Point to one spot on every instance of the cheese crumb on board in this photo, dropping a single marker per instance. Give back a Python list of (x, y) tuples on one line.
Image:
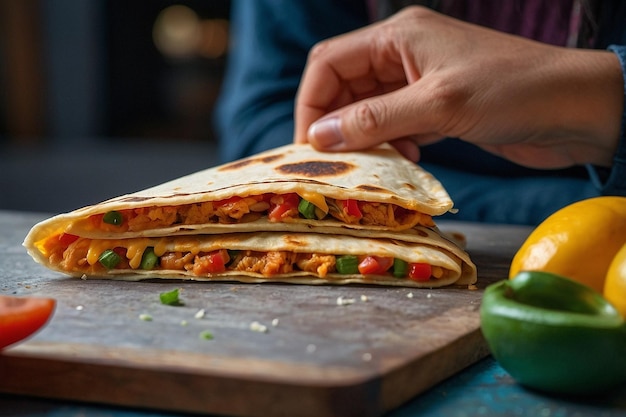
[(255, 326), (344, 301)]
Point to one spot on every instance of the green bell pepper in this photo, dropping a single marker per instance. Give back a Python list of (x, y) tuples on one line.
[(554, 334)]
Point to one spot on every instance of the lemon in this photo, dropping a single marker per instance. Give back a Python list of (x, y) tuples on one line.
[(578, 241), (615, 283)]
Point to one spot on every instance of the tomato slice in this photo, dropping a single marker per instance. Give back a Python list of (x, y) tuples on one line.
[(375, 265), (66, 239), (282, 204), (351, 207), (20, 317), (217, 261), (420, 271), (211, 263)]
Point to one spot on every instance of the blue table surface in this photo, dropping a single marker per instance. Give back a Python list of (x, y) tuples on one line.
[(484, 389)]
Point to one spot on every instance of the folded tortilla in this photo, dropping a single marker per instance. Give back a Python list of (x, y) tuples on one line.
[(391, 193), (247, 218), (309, 258)]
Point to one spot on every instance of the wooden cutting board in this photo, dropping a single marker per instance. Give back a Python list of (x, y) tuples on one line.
[(316, 357)]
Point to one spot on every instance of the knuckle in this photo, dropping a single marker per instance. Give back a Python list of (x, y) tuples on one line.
[(445, 96), (415, 12), (370, 117), (318, 50)]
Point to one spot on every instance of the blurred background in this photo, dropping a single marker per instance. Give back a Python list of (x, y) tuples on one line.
[(103, 97)]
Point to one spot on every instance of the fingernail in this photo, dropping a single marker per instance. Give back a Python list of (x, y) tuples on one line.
[(326, 133)]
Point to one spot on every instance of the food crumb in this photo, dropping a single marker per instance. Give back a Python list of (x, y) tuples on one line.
[(145, 317), (410, 295), (255, 326), (275, 322), (200, 314), (429, 295), (83, 277), (183, 322), (79, 308), (472, 287), (206, 335), (364, 298), (344, 301), (366, 357), (311, 348)]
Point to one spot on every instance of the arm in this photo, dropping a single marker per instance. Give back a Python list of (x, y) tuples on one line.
[(270, 43)]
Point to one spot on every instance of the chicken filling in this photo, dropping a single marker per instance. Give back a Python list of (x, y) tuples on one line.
[(276, 207)]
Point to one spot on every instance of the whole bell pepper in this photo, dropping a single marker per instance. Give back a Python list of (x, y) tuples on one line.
[(554, 334)]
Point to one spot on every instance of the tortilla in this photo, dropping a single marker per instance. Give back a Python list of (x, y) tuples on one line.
[(371, 205), (390, 186), (267, 256)]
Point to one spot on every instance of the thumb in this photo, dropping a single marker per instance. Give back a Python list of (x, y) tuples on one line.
[(369, 122)]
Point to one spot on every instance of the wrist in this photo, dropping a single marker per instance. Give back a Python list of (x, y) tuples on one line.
[(613, 181), (594, 110)]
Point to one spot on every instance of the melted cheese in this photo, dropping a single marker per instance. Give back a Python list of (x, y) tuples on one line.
[(134, 249), (317, 199)]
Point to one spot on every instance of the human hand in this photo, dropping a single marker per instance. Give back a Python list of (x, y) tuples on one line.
[(420, 76)]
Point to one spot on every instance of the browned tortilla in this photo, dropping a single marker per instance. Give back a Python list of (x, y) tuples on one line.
[(377, 176)]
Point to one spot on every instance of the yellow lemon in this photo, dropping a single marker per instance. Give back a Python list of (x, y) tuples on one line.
[(615, 284), (578, 241)]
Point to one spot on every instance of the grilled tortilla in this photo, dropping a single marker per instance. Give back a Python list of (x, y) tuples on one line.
[(309, 258), (373, 190), (290, 214)]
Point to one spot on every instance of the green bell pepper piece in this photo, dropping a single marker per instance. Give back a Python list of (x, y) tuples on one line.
[(554, 334)]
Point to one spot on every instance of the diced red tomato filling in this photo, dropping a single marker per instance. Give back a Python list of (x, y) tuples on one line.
[(371, 265), (71, 253), (283, 206), (278, 208), (210, 263), (420, 271), (351, 208)]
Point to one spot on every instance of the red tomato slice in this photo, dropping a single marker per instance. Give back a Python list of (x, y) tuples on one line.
[(211, 263), (216, 259), (375, 265), (66, 239), (281, 204), (351, 207), (20, 317), (420, 271)]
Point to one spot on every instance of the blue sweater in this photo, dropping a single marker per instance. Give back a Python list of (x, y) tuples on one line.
[(270, 43)]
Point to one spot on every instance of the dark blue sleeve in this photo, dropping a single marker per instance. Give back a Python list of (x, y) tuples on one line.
[(270, 40), (613, 181)]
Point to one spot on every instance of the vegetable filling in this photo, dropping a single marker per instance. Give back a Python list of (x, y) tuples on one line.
[(88, 256), (276, 207)]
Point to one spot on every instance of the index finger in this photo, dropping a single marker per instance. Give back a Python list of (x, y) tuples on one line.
[(331, 65)]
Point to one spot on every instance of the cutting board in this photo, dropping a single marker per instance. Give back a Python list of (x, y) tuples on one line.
[(317, 357)]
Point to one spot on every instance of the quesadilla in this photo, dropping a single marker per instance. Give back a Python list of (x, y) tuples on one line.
[(290, 214)]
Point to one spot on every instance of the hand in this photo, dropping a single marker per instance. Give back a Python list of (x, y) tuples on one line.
[(420, 76)]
